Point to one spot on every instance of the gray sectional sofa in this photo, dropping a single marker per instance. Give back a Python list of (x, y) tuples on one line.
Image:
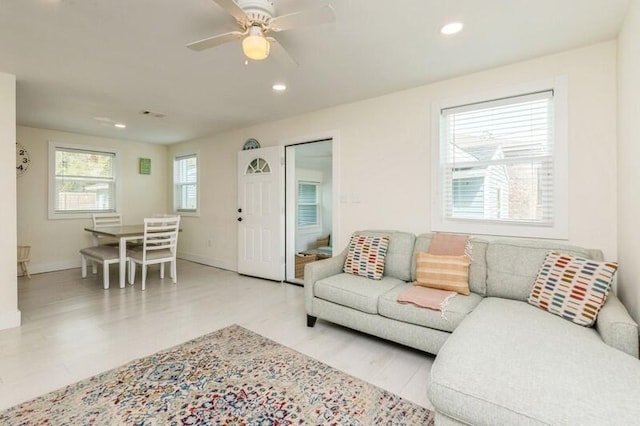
[(500, 361)]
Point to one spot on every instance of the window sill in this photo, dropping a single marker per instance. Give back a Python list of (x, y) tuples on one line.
[(187, 213), (315, 229), (75, 215), (556, 232)]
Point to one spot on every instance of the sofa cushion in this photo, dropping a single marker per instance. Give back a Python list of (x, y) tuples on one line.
[(477, 268), (574, 288), (512, 265), (353, 291), (457, 309), (443, 272), (366, 255), (399, 253), (511, 363)]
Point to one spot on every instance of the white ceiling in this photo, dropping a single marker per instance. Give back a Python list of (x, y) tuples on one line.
[(83, 64)]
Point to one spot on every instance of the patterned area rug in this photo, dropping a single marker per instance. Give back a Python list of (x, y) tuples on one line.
[(230, 377)]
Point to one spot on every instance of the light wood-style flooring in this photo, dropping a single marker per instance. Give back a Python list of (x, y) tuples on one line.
[(73, 329)]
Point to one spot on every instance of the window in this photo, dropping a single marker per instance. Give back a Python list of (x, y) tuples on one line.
[(308, 204), (82, 180), (468, 196), (185, 183), (501, 165), (258, 165)]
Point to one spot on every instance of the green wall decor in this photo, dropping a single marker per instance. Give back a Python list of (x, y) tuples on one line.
[(145, 166)]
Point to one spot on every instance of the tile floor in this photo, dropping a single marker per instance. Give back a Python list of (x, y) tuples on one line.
[(72, 329)]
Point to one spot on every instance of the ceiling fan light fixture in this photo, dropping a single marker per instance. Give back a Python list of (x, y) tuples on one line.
[(255, 46)]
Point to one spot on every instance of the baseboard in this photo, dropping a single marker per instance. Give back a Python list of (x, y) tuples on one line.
[(10, 319), (217, 263), (39, 268)]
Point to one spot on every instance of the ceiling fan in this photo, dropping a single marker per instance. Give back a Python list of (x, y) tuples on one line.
[(257, 18)]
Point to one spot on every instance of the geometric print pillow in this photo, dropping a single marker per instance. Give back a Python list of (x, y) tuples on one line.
[(572, 287), (366, 256)]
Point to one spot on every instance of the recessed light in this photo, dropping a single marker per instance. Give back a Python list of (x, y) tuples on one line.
[(120, 125), (279, 87), (452, 28)]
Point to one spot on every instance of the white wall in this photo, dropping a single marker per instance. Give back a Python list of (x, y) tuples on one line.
[(384, 163), (628, 155), (9, 313), (142, 195)]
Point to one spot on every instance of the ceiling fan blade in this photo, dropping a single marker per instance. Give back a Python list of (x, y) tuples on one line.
[(214, 41), (304, 18), (280, 53), (234, 10)]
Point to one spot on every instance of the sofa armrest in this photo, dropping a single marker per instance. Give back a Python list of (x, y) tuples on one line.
[(616, 327), (316, 271)]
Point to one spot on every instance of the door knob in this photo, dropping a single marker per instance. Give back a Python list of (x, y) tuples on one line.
[(239, 219), (240, 210)]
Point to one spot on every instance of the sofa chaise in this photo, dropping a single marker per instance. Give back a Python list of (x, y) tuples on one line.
[(499, 360)]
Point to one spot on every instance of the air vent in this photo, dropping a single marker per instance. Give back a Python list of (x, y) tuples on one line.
[(153, 114)]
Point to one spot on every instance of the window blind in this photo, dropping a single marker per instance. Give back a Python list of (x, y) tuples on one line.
[(186, 183), (84, 181), (497, 160), (308, 208)]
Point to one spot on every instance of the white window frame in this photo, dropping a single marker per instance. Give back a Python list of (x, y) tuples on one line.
[(53, 147), (174, 184), (559, 228)]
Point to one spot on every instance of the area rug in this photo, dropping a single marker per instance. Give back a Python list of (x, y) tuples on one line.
[(229, 377)]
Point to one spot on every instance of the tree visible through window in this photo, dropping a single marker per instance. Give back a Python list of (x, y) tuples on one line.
[(84, 181), (185, 181)]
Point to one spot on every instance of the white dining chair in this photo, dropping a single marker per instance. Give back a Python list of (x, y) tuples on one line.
[(103, 220), (106, 255), (159, 245)]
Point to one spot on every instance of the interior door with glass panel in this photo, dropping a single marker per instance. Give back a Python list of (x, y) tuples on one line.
[(261, 213)]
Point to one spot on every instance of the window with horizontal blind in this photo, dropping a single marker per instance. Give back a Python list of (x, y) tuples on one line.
[(502, 165), (185, 183), (308, 204), (82, 180)]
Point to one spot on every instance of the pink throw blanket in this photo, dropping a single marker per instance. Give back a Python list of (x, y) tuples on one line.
[(450, 245), (425, 297)]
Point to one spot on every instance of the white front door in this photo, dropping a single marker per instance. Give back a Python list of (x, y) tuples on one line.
[(261, 213)]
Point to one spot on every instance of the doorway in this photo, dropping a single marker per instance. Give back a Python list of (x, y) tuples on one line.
[(310, 193), (261, 242)]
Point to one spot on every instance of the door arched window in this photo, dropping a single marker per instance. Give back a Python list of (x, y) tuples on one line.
[(258, 165)]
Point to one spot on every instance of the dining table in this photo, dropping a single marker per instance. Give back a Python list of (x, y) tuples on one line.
[(123, 233)]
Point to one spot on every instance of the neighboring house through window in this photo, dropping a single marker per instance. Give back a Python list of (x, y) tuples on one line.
[(185, 183), (82, 180), (500, 163)]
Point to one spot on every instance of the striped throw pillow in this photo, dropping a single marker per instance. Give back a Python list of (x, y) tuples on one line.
[(366, 256), (443, 272), (572, 287)]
